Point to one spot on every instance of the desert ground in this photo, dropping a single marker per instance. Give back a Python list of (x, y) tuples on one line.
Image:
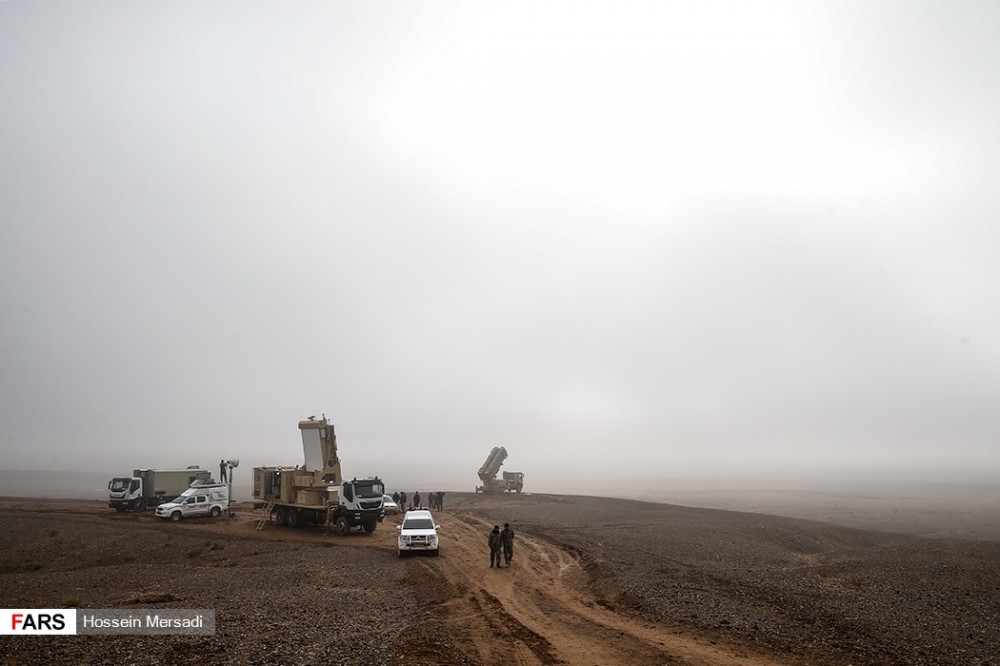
[(594, 581)]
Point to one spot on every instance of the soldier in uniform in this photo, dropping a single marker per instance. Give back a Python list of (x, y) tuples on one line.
[(507, 539), (402, 501), (495, 542), (416, 500)]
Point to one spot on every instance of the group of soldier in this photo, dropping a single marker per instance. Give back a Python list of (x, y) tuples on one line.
[(436, 500), (501, 539)]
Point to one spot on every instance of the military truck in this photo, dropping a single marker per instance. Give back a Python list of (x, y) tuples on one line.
[(317, 492), (510, 482), (152, 487)]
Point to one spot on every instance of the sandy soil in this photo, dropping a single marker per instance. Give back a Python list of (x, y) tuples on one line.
[(595, 581)]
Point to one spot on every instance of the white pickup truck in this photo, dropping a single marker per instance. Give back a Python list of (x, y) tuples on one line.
[(201, 499)]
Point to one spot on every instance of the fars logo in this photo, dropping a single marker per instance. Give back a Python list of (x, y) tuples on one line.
[(37, 621)]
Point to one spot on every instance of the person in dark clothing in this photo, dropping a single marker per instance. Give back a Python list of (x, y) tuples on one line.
[(441, 500), (395, 497), (416, 500), (495, 542), (402, 501), (507, 539), (222, 470)]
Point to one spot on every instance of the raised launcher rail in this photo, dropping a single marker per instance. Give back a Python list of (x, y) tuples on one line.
[(511, 481), (488, 472)]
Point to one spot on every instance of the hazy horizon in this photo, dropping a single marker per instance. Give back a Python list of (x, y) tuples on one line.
[(724, 244), (925, 508), (926, 484)]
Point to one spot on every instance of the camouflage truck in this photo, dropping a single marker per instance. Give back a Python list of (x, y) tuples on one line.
[(316, 492), (509, 482)]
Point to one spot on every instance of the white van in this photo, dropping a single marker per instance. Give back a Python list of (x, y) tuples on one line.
[(210, 499)]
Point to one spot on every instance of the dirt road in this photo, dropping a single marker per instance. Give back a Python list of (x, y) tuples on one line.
[(595, 581), (538, 611)]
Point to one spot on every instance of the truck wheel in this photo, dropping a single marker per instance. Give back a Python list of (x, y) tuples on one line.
[(279, 515), (119, 509), (369, 527), (436, 553), (341, 527), (216, 512), (292, 519), (140, 506), (175, 516)]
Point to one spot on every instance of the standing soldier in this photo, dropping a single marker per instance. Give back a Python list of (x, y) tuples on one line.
[(222, 470), (441, 500), (395, 498), (416, 500), (402, 501), (507, 539), (495, 542)]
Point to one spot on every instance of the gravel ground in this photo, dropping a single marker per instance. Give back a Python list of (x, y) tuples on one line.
[(809, 592), (818, 593), (275, 602)]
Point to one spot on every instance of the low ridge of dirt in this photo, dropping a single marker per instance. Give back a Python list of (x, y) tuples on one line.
[(594, 581)]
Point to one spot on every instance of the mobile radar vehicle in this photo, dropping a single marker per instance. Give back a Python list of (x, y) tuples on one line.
[(316, 492)]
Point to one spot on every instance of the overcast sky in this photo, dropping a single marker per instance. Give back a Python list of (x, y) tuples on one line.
[(625, 240)]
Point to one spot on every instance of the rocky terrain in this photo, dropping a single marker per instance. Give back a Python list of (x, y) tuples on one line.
[(595, 580), (813, 592)]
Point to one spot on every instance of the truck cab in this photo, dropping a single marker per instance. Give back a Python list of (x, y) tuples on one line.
[(124, 492), (360, 505)]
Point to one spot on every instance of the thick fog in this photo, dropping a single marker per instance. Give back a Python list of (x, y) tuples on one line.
[(638, 244)]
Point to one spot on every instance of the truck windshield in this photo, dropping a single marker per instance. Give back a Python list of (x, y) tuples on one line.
[(369, 489), (119, 485), (418, 524)]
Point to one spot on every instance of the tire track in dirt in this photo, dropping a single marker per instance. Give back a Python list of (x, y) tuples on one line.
[(542, 611), (539, 611)]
